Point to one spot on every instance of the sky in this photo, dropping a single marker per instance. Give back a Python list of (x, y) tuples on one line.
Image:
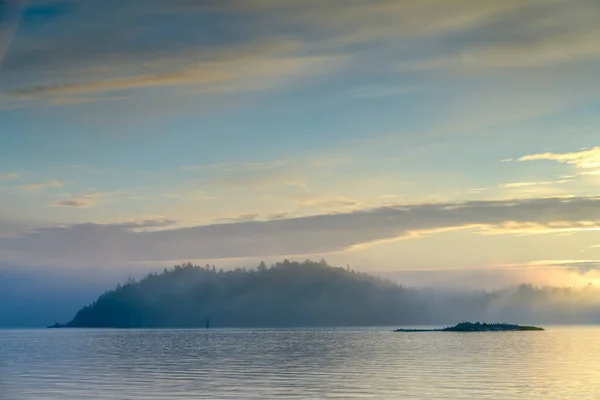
[(429, 141)]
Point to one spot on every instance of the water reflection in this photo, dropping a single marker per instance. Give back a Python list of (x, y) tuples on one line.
[(301, 364)]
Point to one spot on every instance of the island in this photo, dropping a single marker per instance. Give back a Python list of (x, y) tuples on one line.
[(286, 294), (477, 327)]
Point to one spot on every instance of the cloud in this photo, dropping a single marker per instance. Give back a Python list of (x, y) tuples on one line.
[(15, 226), (535, 228), (10, 176), (326, 203), (374, 92), (539, 34), (587, 161), (75, 100), (360, 22), (234, 166), (190, 195), (514, 185), (292, 176), (82, 200), (94, 198), (542, 273), (101, 244), (210, 75), (254, 175), (41, 185), (240, 218), (10, 16), (145, 224), (280, 215), (238, 22), (262, 44), (581, 266), (476, 190), (532, 55)]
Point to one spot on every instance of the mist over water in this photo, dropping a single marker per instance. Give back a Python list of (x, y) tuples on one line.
[(292, 295), (358, 363)]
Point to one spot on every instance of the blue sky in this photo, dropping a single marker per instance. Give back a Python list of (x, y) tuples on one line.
[(470, 125)]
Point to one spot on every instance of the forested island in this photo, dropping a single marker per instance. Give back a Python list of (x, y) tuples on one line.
[(478, 327), (284, 295)]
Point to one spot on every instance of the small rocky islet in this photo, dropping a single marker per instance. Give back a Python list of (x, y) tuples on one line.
[(478, 327)]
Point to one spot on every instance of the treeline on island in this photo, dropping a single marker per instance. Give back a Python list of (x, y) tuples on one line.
[(309, 294), (287, 294)]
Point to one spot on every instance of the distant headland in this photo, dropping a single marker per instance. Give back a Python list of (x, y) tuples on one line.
[(477, 327)]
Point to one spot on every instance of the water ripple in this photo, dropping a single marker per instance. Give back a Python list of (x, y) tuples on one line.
[(560, 363)]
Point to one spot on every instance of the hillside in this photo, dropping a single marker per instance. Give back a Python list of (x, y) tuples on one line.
[(287, 294)]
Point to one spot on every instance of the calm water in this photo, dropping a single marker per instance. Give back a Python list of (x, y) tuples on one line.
[(560, 363)]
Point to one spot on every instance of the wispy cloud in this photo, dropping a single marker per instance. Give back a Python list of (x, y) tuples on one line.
[(205, 74), (327, 203), (549, 52), (251, 175), (32, 187), (264, 43), (75, 100), (82, 200), (293, 174), (10, 16), (476, 190), (240, 218), (586, 161), (375, 92), (146, 224), (318, 234), (190, 195), (567, 273), (576, 265), (514, 185), (535, 228), (234, 166), (539, 34), (10, 176)]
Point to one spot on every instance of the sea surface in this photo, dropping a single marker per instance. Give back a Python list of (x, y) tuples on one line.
[(374, 363)]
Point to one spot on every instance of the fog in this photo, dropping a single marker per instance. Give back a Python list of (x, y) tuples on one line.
[(32, 297), (296, 294)]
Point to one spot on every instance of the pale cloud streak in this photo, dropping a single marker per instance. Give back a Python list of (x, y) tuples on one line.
[(234, 166), (517, 185), (540, 34), (359, 22), (187, 195), (210, 76), (476, 190), (586, 161), (101, 244), (375, 92), (327, 203), (33, 187), (82, 200), (270, 43), (251, 175), (10, 16), (566, 273), (505, 56), (10, 176)]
